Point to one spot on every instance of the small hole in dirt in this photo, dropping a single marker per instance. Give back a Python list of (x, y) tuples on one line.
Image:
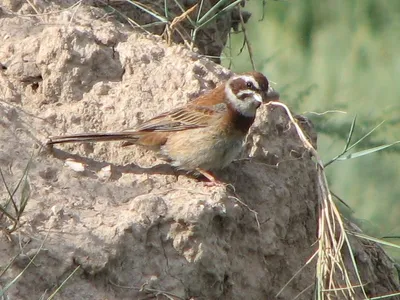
[(199, 71), (35, 86), (218, 224)]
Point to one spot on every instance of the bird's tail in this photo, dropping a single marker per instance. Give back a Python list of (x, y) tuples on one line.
[(128, 136)]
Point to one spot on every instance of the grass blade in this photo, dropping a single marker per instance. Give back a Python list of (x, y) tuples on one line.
[(203, 21), (11, 217), (341, 201), (211, 11), (200, 10), (367, 151), (9, 264), (373, 239), (183, 11), (366, 135), (297, 273), (158, 17), (25, 195), (384, 297), (63, 283), (352, 127), (15, 279), (11, 195), (347, 148)]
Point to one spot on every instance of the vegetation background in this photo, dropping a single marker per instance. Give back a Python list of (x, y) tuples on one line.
[(338, 56)]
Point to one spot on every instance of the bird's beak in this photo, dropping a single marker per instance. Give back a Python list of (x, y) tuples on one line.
[(271, 95)]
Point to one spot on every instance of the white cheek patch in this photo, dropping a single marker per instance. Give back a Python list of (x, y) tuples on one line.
[(229, 93), (247, 109)]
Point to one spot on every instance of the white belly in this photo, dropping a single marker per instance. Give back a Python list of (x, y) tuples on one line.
[(190, 150)]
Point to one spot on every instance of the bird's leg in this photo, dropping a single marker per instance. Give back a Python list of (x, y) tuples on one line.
[(206, 174), (209, 176)]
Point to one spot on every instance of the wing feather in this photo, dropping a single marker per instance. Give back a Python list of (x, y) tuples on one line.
[(188, 117)]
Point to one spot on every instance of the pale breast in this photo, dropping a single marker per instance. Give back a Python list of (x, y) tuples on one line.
[(204, 148)]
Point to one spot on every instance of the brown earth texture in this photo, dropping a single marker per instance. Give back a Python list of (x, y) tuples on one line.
[(112, 222)]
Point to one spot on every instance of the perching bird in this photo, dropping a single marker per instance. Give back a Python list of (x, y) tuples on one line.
[(206, 134)]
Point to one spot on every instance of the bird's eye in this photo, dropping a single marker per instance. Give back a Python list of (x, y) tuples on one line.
[(250, 85)]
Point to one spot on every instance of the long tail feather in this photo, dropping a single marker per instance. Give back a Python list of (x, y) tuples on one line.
[(94, 137)]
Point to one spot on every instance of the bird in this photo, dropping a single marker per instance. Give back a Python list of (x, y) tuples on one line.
[(204, 135)]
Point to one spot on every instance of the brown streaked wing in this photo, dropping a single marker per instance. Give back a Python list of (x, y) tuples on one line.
[(188, 117), (211, 98)]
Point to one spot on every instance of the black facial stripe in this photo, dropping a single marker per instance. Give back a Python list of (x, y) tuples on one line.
[(239, 85), (244, 96)]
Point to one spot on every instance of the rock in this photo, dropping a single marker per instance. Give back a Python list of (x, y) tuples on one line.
[(131, 224)]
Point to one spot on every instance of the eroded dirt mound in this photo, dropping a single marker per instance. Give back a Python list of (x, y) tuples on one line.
[(127, 219), (204, 25)]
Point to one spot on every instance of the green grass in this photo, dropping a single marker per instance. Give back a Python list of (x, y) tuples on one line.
[(12, 207), (13, 204), (342, 55)]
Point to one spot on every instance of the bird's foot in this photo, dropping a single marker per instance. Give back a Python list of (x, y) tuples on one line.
[(212, 181)]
